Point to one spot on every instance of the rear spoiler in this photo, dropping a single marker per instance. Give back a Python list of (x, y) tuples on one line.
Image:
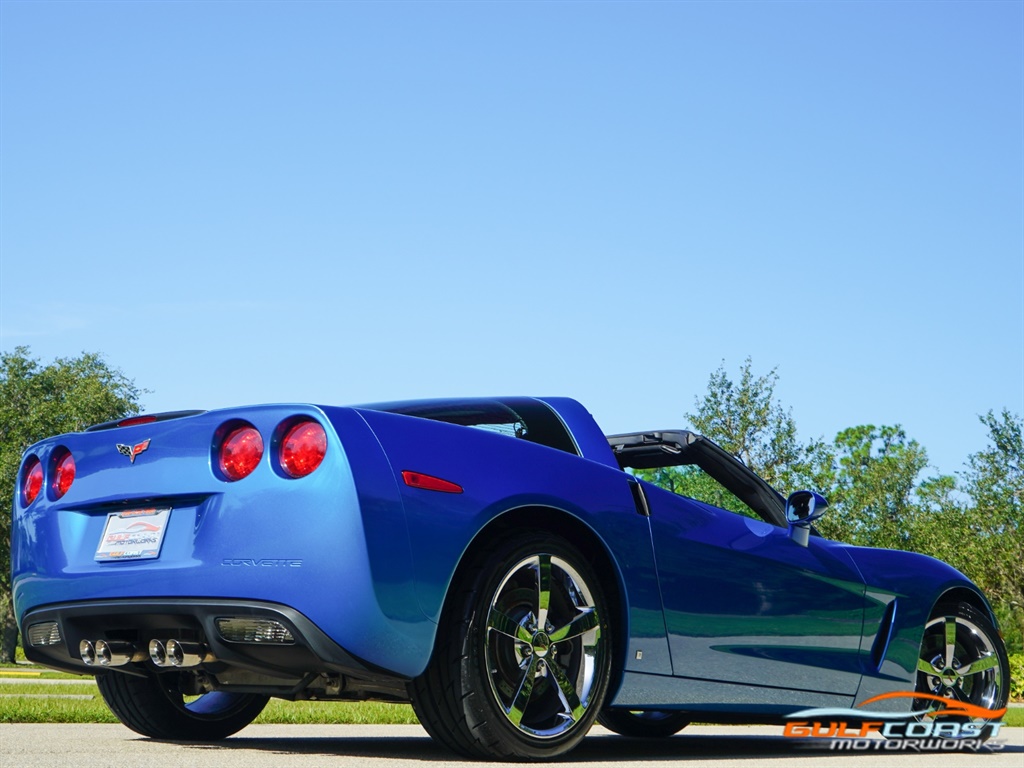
[(149, 418)]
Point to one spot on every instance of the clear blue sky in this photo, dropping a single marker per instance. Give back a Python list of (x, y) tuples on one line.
[(240, 202)]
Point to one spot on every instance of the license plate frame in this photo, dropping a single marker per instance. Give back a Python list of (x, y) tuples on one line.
[(133, 534)]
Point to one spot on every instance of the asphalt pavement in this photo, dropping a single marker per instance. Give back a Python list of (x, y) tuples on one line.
[(405, 746)]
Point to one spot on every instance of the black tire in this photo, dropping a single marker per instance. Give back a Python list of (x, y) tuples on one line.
[(154, 707), (646, 724), (512, 678), (962, 659)]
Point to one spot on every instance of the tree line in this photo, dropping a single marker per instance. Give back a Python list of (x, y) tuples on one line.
[(872, 475)]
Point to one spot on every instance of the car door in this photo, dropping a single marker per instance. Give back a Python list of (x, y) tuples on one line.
[(746, 604)]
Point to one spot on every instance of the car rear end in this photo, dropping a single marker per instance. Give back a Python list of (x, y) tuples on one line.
[(229, 543)]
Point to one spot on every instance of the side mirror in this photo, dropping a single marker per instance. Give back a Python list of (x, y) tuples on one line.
[(802, 508)]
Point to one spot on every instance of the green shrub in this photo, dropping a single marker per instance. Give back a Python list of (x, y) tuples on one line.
[(1011, 624), (1017, 677)]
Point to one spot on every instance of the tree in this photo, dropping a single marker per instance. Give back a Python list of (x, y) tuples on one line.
[(746, 420), (38, 401), (873, 488), (994, 481)]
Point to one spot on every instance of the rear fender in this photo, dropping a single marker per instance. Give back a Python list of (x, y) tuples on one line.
[(500, 477)]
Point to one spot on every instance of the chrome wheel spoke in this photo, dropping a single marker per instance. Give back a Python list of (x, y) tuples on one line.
[(981, 665), (567, 693), (522, 698), (504, 625), (923, 665), (583, 623), (950, 641), (543, 590)]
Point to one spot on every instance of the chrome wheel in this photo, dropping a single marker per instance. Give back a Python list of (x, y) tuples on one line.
[(523, 656), (962, 659), (543, 646)]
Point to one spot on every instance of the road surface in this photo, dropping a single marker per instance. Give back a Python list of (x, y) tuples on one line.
[(408, 746)]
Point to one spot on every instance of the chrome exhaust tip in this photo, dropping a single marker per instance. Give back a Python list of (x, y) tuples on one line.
[(184, 653), (158, 653), (114, 653), (88, 652)]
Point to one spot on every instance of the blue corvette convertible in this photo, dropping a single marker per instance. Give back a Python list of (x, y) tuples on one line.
[(493, 561)]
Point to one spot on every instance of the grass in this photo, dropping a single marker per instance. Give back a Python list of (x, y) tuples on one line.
[(1014, 718), (340, 712), (38, 702), (19, 705)]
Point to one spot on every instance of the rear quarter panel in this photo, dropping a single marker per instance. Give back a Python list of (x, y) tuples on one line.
[(500, 475)]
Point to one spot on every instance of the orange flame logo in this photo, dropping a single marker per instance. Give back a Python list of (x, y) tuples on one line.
[(949, 707)]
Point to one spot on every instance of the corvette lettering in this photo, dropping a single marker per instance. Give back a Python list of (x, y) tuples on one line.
[(247, 562), (131, 451)]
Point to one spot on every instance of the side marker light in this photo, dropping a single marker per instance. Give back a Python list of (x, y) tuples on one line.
[(429, 482)]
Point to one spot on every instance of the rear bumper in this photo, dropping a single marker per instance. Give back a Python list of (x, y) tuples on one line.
[(276, 668)]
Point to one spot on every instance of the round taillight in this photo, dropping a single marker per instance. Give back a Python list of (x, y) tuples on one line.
[(32, 482), (303, 448), (63, 473), (240, 453)]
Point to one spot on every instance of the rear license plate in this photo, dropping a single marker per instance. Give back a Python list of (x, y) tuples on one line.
[(135, 534)]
